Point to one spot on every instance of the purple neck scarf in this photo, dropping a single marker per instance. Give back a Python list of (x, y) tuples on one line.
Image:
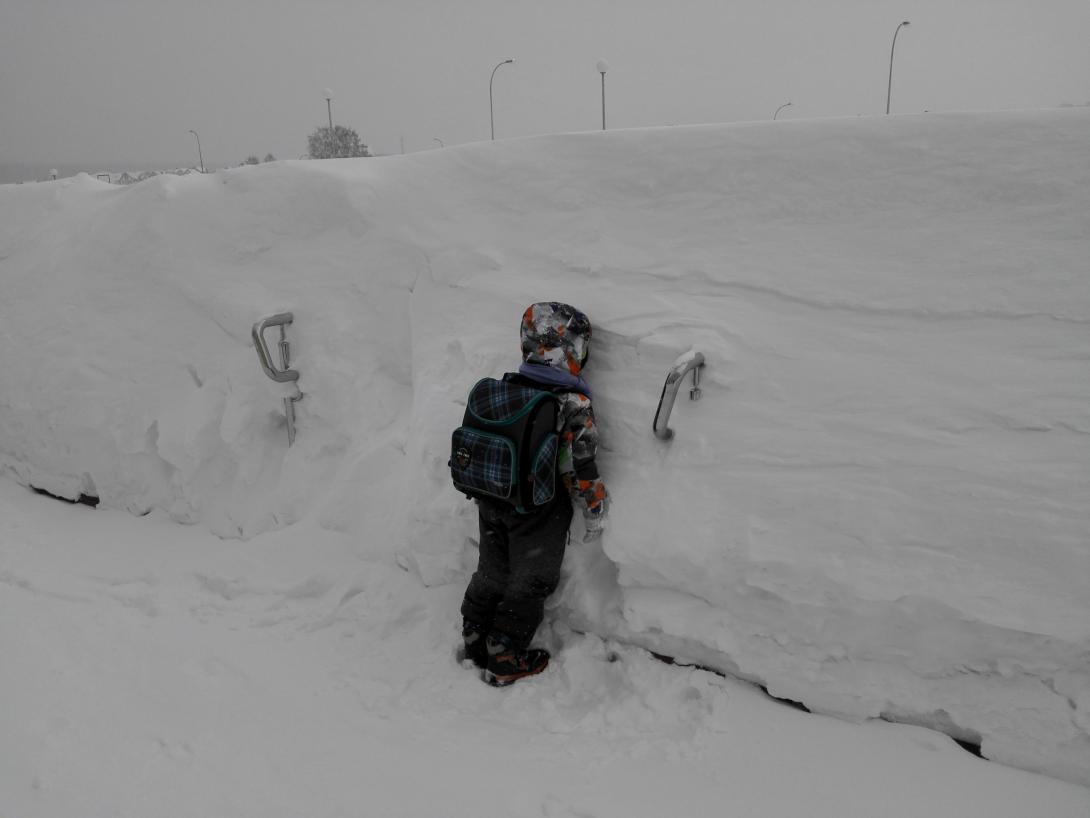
[(555, 377)]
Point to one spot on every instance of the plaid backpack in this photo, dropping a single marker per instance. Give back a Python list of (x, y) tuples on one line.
[(506, 447)]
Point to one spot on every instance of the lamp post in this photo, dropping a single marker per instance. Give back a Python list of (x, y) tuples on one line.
[(889, 87), (199, 154), (603, 66), (780, 109), (491, 113), (329, 110)]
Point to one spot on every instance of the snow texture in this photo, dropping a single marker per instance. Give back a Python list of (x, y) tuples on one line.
[(879, 507)]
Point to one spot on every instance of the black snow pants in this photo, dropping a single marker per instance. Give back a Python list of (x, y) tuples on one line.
[(518, 568)]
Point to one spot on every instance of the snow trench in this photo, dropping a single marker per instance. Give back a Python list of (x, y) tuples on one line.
[(879, 507)]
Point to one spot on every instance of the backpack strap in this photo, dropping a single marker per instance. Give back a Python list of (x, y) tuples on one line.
[(519, 379)]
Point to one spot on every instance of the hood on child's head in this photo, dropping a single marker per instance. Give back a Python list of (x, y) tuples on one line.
[(556, 335)]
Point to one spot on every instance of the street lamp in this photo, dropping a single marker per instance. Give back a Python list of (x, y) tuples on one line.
[(199, 154), (889, 88), (780, 109), (329, 110), (603, 66), (491, 114)]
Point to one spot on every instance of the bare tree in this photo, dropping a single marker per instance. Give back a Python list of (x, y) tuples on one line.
[(343, 142)]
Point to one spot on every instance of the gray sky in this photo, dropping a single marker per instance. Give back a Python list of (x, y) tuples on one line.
[(124, 80)]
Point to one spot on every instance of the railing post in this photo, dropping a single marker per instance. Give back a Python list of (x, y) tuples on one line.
[(690, 361), (284, 374)]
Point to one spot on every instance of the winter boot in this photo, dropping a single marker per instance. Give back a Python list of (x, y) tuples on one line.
[(473, 645), (507, 664)]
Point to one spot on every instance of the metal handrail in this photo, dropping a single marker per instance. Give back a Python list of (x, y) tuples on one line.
[(690, 361), (279, 375), (284, 374)]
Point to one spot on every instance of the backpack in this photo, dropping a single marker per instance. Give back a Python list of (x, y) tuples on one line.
[(507, 445)]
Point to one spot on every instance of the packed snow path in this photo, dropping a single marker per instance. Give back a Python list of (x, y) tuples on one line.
[(879, 508), (152, 669)]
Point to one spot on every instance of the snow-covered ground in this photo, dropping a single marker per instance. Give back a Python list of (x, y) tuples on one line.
[(880, 507), (151, 669)]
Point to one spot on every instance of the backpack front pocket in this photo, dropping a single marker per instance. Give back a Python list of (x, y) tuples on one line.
[(482, 462)]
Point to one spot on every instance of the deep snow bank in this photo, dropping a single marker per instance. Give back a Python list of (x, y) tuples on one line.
[(880, 507)]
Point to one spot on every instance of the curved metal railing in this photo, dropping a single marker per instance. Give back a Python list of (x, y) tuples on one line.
[(691, 361), (283, 374)]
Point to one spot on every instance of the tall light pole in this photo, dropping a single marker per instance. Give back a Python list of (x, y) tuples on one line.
[(780, 109), (889, 88), (329, 110), (491, 113), (603, 66), (199, 154)]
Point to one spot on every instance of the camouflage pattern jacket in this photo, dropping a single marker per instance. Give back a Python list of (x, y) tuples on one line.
[(578, 446)]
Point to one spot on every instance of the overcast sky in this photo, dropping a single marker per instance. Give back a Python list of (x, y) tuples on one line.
[(119, 81)]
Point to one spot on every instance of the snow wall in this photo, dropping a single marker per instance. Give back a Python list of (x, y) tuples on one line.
[(880, 507)]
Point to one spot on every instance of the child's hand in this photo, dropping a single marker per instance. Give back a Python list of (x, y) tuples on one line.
[(595, 526)]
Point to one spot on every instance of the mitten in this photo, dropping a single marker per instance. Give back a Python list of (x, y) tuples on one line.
[(595, 526)]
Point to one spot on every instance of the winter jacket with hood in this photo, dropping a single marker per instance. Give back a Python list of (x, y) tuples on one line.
[(555, 346)]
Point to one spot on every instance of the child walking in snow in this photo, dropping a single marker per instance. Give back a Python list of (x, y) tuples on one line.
[(521, 549)]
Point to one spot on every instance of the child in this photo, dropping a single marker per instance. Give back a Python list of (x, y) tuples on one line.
[(521, 553)]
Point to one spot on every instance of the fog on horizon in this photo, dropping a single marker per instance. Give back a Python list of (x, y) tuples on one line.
[(127, 82)]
